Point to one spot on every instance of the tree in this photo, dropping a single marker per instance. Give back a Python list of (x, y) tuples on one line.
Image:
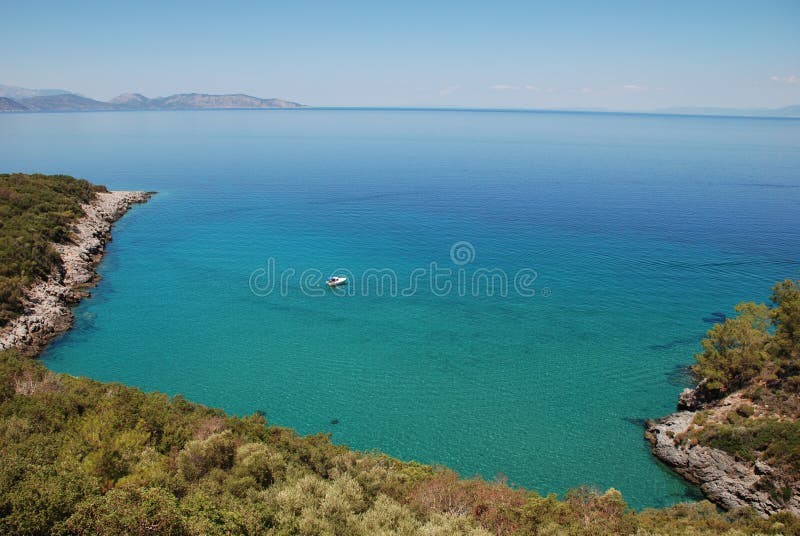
[(786, 318), (734, 352)]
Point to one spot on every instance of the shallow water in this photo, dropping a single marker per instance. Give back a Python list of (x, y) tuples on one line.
[(638, 229)]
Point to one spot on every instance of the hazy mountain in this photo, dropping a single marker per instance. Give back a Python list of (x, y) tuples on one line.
[(132, 100), (786, 111), (10, 105), (62, 101), (17, 93), (197, 101), (793, 111)]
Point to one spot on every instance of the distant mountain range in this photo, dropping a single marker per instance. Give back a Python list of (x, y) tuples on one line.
[(196, 101), (16, 93), (20, 99), (17, 99), (786, 111)]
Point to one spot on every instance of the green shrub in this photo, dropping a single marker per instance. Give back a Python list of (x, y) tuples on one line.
[(729, 439), (198, 457), (700, 418), (258, 462), (136, 512), (779, 441)]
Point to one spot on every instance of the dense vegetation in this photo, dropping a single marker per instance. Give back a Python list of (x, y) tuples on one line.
[(760, 346), (35, 211), (82, 457)]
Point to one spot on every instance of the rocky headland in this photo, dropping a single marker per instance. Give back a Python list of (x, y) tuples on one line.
[(47, 311), (727, 480)]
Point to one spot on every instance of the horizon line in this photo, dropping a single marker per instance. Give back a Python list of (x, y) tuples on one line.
[(454, 108)]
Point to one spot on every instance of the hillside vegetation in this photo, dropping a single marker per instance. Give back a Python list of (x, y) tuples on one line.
[(35, 211)]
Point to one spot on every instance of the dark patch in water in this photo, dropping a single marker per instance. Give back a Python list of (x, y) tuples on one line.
[(715, 318), (672, 344), (368, 197), (694, 495), (680, 376), (334, 421), (639, 423), (765, 185), (724, 264)]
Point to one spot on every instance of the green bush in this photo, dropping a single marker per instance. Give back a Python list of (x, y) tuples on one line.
[(136, 512), (779, 441), (200, 456)]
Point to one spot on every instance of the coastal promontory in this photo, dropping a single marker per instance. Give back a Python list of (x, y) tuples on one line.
[(35, 314), (736, 435)]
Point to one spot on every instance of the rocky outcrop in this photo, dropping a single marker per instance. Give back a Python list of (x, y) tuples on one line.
[(47, 310), (691, 400), (725, 480)]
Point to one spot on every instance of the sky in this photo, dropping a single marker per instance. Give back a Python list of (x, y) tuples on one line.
[(622, 55)]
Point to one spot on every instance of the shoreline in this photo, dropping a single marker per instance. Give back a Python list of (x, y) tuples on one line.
[(48, 313), (48, 304)]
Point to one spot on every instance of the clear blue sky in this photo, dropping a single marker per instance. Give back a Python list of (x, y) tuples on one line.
[(613, 54)]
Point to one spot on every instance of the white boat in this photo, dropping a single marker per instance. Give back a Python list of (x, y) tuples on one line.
[(335, 281)]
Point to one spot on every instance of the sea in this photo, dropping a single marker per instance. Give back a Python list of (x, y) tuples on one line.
[(524, 288)]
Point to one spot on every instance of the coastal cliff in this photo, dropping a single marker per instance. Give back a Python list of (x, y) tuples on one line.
[(46, 305), (726, 480)]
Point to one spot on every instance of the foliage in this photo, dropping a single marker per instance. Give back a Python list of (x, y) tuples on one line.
[(786, 319), (735, 351), (35, 211), (759, 344), (779, 441)]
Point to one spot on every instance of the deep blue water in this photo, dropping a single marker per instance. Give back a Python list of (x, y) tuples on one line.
[(638, 228)]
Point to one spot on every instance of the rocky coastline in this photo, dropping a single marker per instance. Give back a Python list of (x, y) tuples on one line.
[(47, 305), (727, 481)]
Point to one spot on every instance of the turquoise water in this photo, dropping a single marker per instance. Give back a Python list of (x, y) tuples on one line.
[(638, 228)]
